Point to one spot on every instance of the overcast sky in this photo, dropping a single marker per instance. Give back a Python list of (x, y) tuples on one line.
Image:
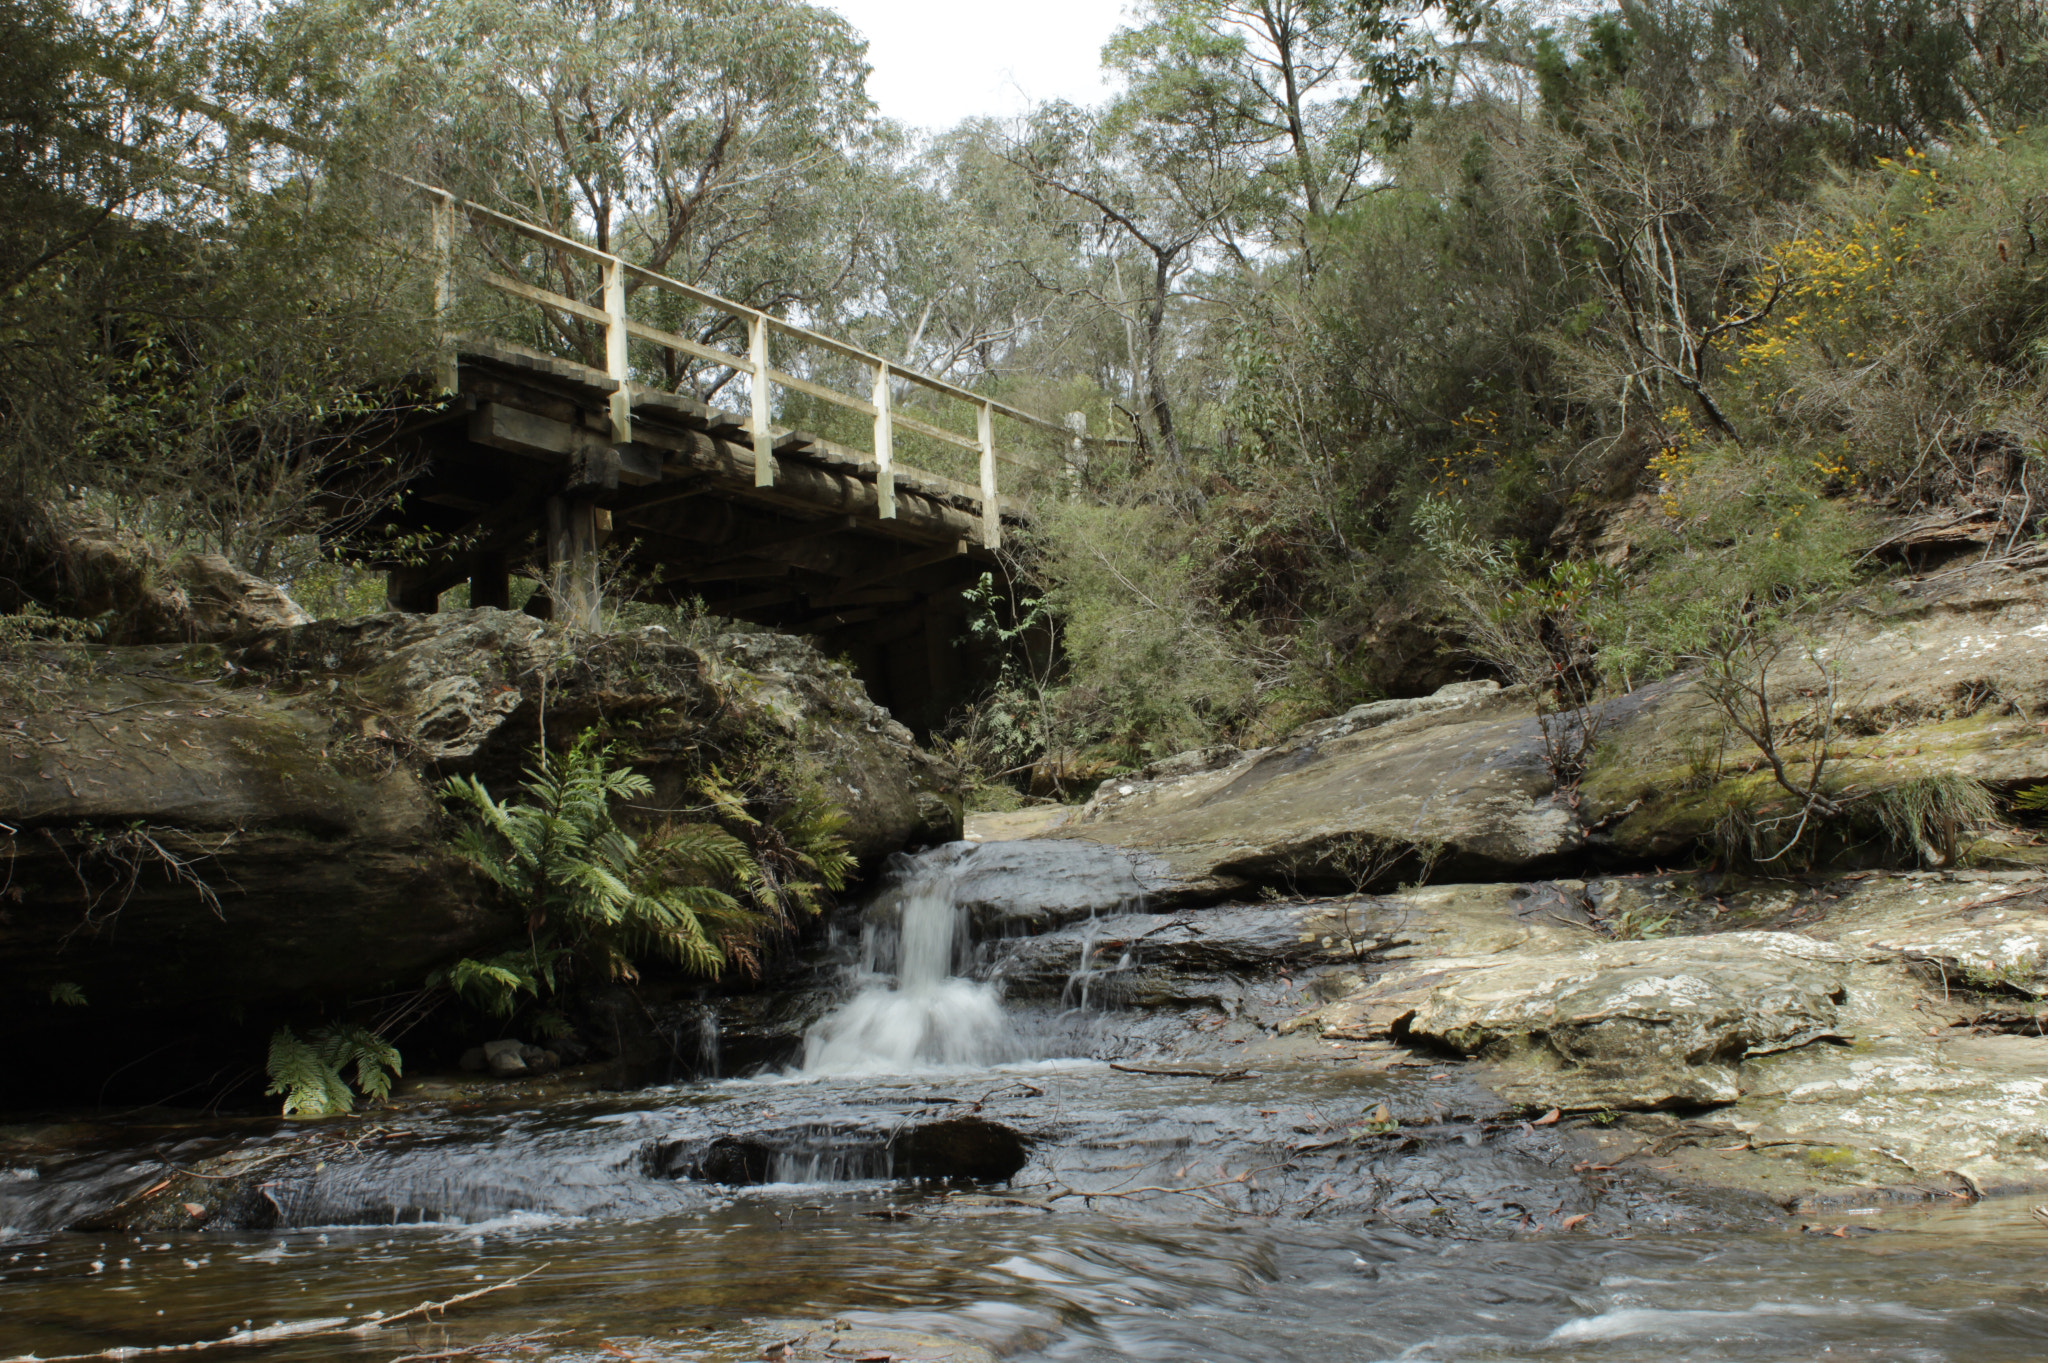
[(940, 61)]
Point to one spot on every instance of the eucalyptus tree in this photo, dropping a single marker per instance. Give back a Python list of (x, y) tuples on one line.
[(1152, 194), (187, 322), (1300, 93), (721, 142)]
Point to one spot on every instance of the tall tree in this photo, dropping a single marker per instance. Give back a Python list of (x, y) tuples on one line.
[(718, 141)]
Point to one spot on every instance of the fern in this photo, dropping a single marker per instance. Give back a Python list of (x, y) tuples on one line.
[(66, 993), (308, 1072), (2032, 798), (591, 892), (311, 1087), (376, 1060)]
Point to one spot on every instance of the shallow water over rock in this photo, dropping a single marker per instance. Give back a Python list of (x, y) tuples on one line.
[(958, 1175)]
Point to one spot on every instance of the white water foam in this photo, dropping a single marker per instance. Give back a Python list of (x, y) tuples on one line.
[(922, 1016), (1634, 1321)]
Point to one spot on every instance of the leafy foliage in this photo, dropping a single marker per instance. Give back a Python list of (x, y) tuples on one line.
[(308, 1071), (595, 897)]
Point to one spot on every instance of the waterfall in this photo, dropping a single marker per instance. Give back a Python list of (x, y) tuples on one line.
[(913, 1012)]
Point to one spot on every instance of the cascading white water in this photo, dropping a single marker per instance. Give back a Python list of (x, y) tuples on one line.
[(923, 1016)]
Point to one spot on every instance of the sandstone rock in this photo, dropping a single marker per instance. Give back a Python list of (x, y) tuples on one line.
[(198, 828), (78, 562), (505, 1059), (1460, 774), (223, 601), (1139, 960), (1639, 1024), (1011, 889), (1949, 678)]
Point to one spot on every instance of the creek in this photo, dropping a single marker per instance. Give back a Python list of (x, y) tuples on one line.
[(952, 1153)]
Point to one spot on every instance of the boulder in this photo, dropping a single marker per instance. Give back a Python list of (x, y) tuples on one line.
[(1456, 780), (78, 562), (222, 601), (202, 829), (505, 1059)]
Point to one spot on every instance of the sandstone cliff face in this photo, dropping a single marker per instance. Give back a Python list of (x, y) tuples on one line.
[(255, 825)]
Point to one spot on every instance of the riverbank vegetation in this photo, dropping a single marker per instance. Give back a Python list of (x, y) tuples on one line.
[(1570, 345)]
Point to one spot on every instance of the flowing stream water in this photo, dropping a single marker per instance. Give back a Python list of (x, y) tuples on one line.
[(913, 1012), (884, 1183)]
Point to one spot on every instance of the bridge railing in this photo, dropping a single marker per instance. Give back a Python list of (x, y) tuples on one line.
[(608, 308)]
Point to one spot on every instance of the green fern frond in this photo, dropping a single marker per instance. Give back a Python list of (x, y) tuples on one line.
[(310, 1086), (66, 993), (376, 1060), (2032, 798)]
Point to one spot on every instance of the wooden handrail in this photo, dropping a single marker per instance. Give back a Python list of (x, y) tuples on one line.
[(620, 330), (739, 311)]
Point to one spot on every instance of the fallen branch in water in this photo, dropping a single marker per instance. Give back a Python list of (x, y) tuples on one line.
[(491, 1345), (426, 1308), (270, 1334), (1213, 1076)]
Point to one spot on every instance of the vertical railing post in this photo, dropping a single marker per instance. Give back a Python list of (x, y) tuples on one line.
[(763, 433), (615, 352), (885, 447), (445, 377), (991, 507)]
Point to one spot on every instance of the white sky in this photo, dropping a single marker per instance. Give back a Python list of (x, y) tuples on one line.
[(937, 62)]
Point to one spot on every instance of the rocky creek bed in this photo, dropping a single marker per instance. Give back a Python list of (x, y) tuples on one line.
[(1455, 1122), (1149, 1090)]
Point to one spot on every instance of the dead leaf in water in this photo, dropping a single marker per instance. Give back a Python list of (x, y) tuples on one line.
[(1570, 1222), (1548, 1119)]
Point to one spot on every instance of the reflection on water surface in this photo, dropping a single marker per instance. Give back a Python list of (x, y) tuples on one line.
[(1963, 1284)]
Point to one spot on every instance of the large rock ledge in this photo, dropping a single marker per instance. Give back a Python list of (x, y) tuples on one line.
[(1878, 1029), (1949, 676), (240, 826)]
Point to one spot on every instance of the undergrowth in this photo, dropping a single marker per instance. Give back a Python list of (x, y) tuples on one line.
[(308, 1071)]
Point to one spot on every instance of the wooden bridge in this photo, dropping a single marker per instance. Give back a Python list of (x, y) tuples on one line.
[(562, 434)]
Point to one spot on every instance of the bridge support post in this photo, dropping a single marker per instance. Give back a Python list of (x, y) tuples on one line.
[(446, 380), (572, 561), (407, 589), (490, 581), (763, 394), (991, 505), (617, 357)]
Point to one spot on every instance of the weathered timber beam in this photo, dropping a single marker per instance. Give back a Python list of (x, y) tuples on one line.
[(754, 601), (733, 572), (627, 505), (806, 487)]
